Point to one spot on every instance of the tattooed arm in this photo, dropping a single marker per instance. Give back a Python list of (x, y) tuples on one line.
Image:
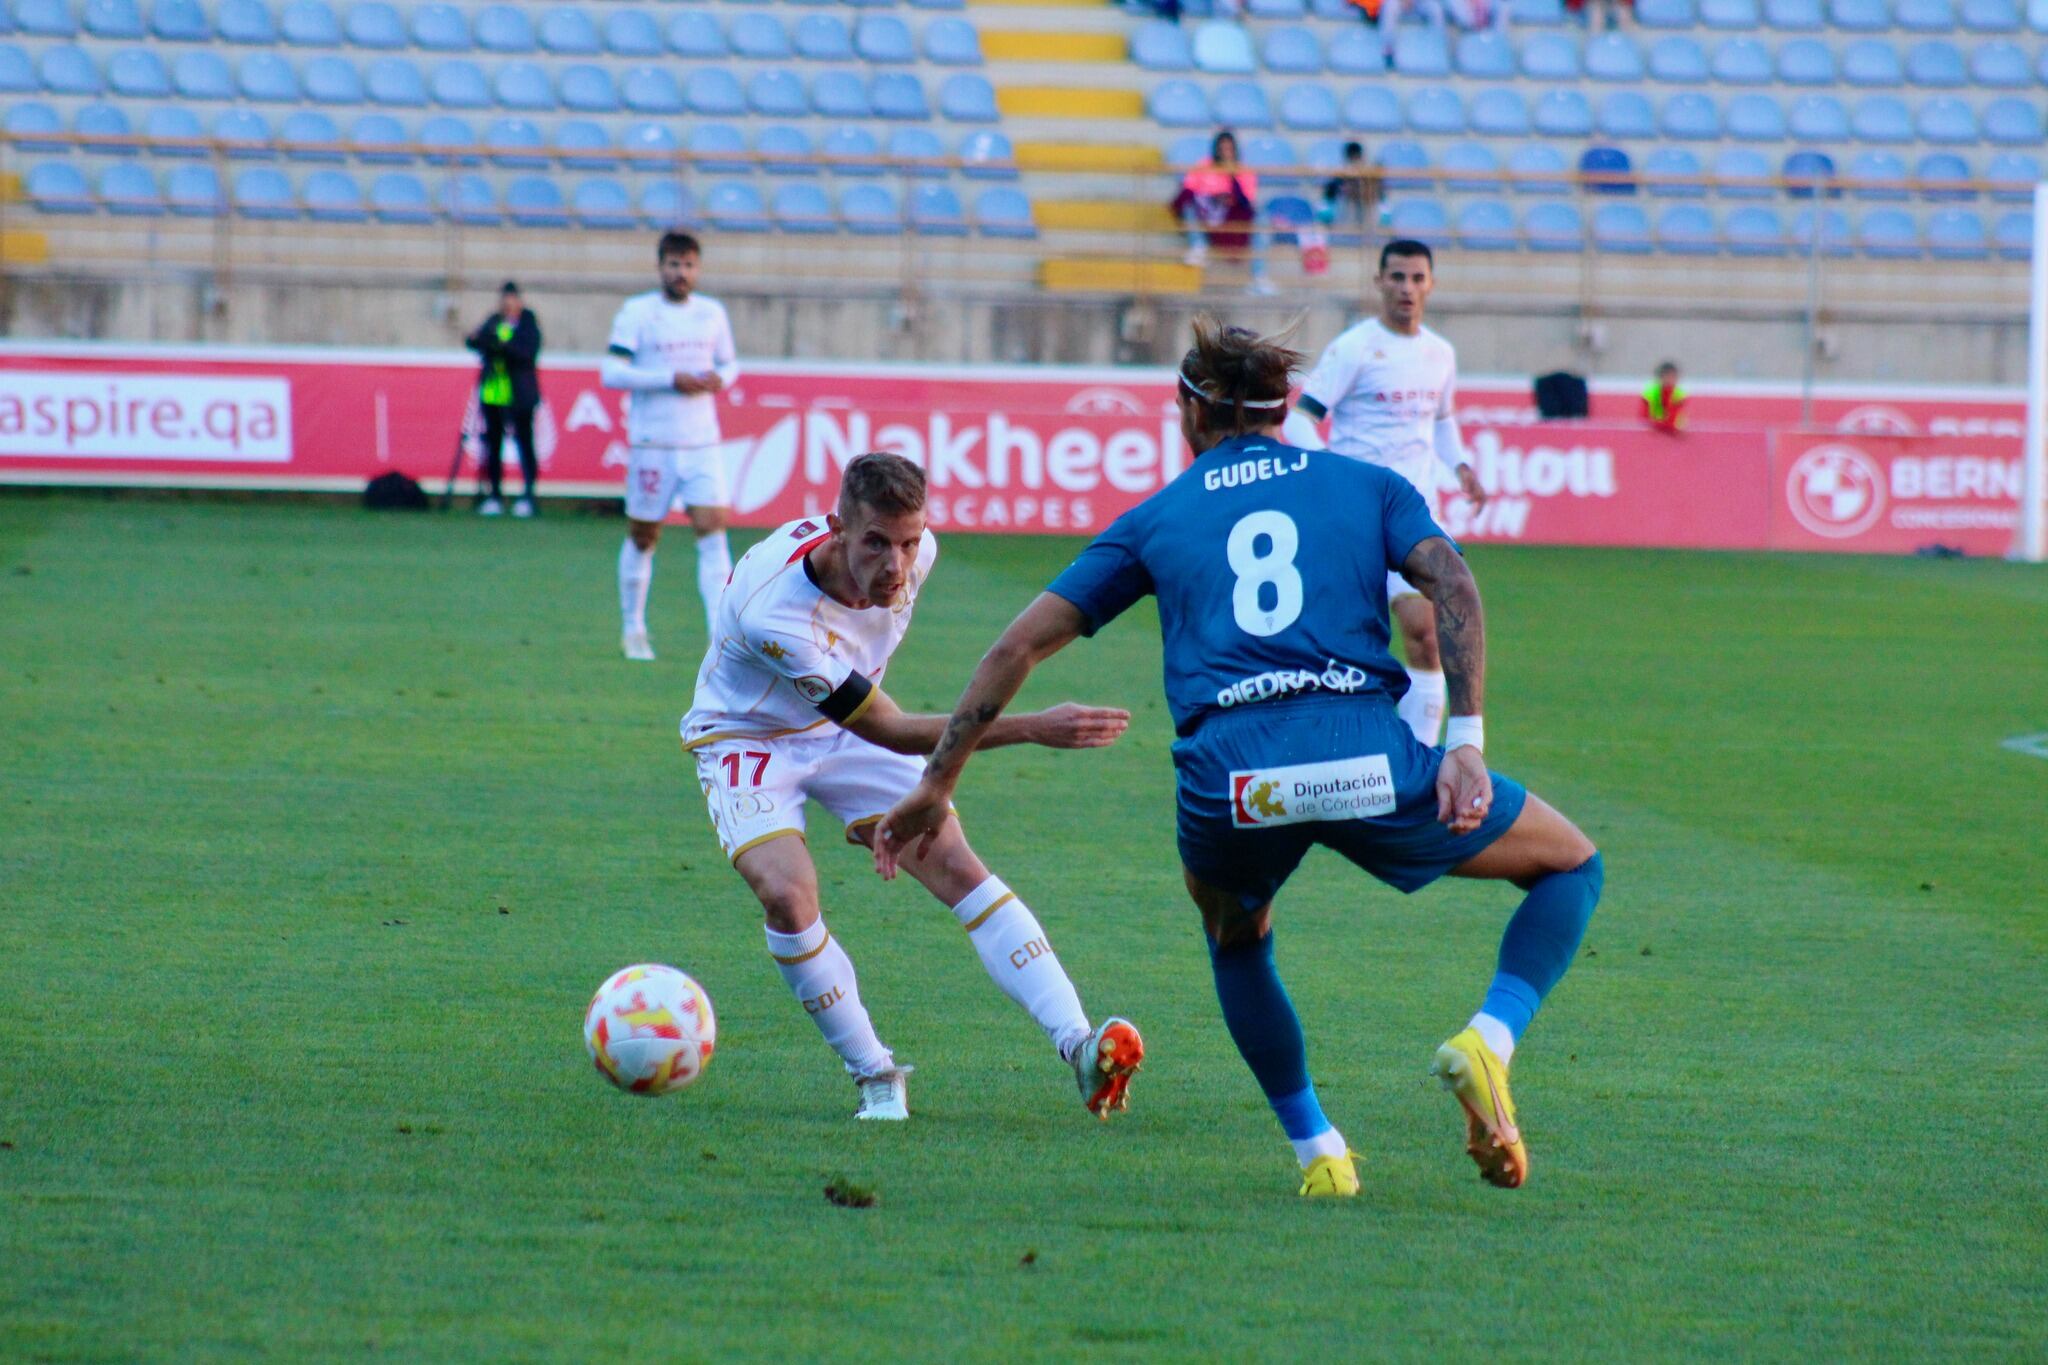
[(1464, 789)]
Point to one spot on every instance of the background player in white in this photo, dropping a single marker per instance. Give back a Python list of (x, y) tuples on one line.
[(1388, 386), (671, 350), (789, 708)]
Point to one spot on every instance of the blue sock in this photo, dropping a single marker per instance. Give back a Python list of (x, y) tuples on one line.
[(1541, 941), (1263, 1024)]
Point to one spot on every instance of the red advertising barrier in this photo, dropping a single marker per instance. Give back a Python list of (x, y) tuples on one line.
[(1031, 449)]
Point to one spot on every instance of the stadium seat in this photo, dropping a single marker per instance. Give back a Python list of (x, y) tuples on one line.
[(883, 39), (1422, 52), (1536, 13), (1685, 230), (1189, 149), (1472, 158), (1563, 113), (536, 201), (43, 18), (1990, 16), (714, 92), (785, 150), (1269, 156), (1742, 61), (1162, 46), (29, 125), (332, 196), (870, 210), (650, 146), (803, 208), (503, 28), (1888, 234), (1607, 170), (138, 73), (1818, 118), (104, 130), (440, 28), (1626, 114), (666, 204), (988, 156), (1754, 118), (1795, 16), (1947, 121), (112, 19), (1664, 14), (2013, 235), (1530, 162), (59, 187), (912, 149), (1486, 225), (194, 192), (1944, 177), (695, 34), (851, 150), (333, 80), (1678, 60), (173, 124), (1837, 238), (1691, 116), (460, 84), (1292, 52), (67, 70), (2013, 176), (1356, 51), (1676, 162), (1613, 57), (644, 90), (1876, 175), (1001, 211), (568, 32), (268, 79), (524, 85), (397, 197), (516, 142), (1499, 112), (1807, 172), (900, 95), (309, 23), (1924, 16), (1325, 155), (1223, 49), (1937, 65), (374, 24), (1551, 226), (602, 203), (1860, 16), (1737, 16), (952, 42), (201, 75), (968, 98), (1753, 230), (2000, 65), (1734, 166), (395, 83), (179, 21), (632, 33), (582, 144), (1401, 154), (309, 135), (935, 212), (449, 141), (1434, 109), (1372, 109), (938, 4), (262, 192), (245, 21), (468, 199), (1276, 9), (719, 148), (1310, 106), (1550, 57), (130, 190), (1806, 61), (2010, 122), (370, 134), (1881, 119), (1423, 220), (244, 133), (1486, 56), (1873, 65), (758, 36)]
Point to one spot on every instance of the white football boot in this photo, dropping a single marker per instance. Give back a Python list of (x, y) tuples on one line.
[(634, 642), (884, 1097)]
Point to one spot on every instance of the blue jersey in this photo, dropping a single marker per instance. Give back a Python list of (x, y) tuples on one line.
[(1270, 564)]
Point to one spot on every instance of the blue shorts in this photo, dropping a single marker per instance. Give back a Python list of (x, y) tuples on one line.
[(1259, 786)]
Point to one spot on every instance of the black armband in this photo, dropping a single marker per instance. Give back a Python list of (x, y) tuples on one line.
[(1310, 407), (848, 700)]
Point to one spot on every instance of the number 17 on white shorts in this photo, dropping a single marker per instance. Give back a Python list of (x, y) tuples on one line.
[(755, 789)]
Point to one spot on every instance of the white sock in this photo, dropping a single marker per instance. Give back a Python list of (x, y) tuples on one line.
[(1496, 1035), (820, 975), (1423, 707), (1016, 954), (1329, 1142), (636, 573), (714, 566)]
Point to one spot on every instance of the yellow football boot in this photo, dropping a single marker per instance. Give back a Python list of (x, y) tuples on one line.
[(1470, 1070), (1331, 1177)]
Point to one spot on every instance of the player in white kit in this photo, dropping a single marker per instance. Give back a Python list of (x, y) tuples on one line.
[(789, 708), (1388, 386), (671, 350)]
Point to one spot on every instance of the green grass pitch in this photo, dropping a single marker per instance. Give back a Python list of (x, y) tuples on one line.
[(317, 829)]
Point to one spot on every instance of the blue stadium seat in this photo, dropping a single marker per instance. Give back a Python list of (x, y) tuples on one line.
[(1944, 177), (1819, 118), (1325, 155), (138, 73), (883, 38), (1550, 57), (1402, 154), (1423, 220), (644, 90), (104, 129), (1474, 158), (1676, 162), (130, 190), (1626, 114), (1807, 173), (1795, 16), (938, 4), (194, 192), (587, 88), (59, 187), (714, 92), (1806, 61), (1837, 238), (1677, 59), (200, 74), (519, 85), (332, 196), (374, 24), (1422, 52), (602, 203), (968, 98), (449, 141), (718, 148), (1486, 56), (1889, 234), (245, 21), (1536, 13), (173, 123), (1309, 106), (244, 133), (2000, 65), (851, 150), (1356, 51), (1371, 109), (1691, 116), (264, 193), (460, 84), (468, 199), (309, 135), (1292, 52), (1947, 121), (370, 134), (179, 21), (29, 125), (583, 144), (1881, 119), (67, 70), (757, 35), (309, 23), (1665, 14), (114, 19), (1551, 226), (1277, 9), (695, 34), (1162, 46), (268, 79), (1686, 230), (911, 148), (1270, 156), (1607, 170), (569, 32), (2013, 175), (1435, 109), (988, 156), (2010, 122), (1736, 16), (1530, 162), (1563, 113), (2013, 235), (333, 80), (516, 142), (632, 33), (935, 212), (870, 210), (1736, 165), (440, 28), (1189, 149), (785, 150), (1990, 16), (1499, 112), (1742, 61), (1223, 49), (1936, 64), (1873, 65), (952, 42), (1001, 211), (44, 18), (1486, 225), (899, 94), (397, 197), (503, 28), (395, 83), (1860, 16), (1876, 174), (1924, 16), (1753, 230), (650, 145), (803, 208), (1754, 118), (536, 201), (1613, 57), (666, 204)]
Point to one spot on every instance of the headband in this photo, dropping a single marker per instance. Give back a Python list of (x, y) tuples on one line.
[(1196, 389)]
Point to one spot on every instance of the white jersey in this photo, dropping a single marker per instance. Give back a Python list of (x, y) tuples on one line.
[(1385, 394), (781, 646), (657, 340)]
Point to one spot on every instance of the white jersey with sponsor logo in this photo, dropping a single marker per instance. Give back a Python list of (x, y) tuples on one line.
[(1385, 393), (780, 645), (691, 337)]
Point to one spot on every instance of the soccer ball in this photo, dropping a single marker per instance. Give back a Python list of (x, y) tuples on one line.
[(649, 1029)]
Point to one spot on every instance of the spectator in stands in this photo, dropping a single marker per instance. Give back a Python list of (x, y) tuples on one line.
[(1664, 401), (508, 390), (1581, 10), (1469, 15), (1351, 197), (1217, 205)]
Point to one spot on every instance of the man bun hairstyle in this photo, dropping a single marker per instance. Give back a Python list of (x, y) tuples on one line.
[(1241, 378), (677, 244), (881, 482)]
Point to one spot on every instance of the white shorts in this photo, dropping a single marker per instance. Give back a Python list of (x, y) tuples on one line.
[(657, 476), (756, 788)]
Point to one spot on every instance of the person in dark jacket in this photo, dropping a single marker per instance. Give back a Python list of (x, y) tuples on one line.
[(508, 390)]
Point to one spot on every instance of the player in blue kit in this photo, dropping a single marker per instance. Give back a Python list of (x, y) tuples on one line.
[(1270, 565)]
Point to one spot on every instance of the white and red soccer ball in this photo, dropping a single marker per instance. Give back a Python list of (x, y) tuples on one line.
[(650, 1030)]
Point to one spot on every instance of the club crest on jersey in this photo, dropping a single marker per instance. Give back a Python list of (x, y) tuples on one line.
[(812, 688), (1341, 789)]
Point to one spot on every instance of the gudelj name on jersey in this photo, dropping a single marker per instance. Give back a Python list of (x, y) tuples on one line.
[(1240, 472)]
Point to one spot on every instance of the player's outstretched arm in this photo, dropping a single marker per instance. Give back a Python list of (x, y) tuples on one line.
[(1464, 789), (1069, 725)]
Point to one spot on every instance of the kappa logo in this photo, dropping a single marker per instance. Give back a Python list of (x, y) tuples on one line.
[(772, 650), (1835, 491)]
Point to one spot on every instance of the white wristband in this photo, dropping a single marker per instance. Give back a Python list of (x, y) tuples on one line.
[(1464, 730)]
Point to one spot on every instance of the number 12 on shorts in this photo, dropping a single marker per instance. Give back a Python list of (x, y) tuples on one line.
[(733, 762)]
